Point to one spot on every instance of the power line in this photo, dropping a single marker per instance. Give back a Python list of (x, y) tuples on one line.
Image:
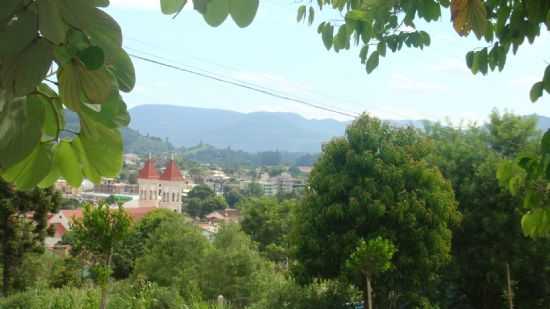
[(245, 86)]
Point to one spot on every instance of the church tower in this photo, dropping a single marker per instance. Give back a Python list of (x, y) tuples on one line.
[(162, 191)]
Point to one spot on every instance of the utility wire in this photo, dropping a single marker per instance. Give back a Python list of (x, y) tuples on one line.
[(242, 85)]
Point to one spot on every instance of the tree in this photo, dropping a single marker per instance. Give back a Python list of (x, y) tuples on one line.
[(96, 236), (371, 259), (201, 200), (380, 25), (232, 197), (173, 255), (254, 189), (489, 238), (267, 222), (133, 246), (376, 181), (82, 45), (23, 227)]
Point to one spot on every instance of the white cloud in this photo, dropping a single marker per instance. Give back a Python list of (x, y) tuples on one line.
[(452, 66)]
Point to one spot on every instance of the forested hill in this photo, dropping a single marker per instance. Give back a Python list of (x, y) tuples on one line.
[(253, 132)]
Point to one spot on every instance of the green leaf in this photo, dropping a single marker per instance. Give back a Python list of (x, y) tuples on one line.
[(381, 48), (363, 53), (301, 13), (327, 35), (483, 61), (545, 143), (536, 91), (67, 161), (546, 79), (85, 16), (92, 57), (470, 59), (243, 11), (34, 168), (7, 8), (101, 3), (112, 114), (102, 148), (51, 24), (358, 15), (372, 62), (536, 223), (123, 69), (52, 119), (97, 85), (19, 33), (105, 32), (51, 178), (170, 7), (69, 86), (200, 5), (21, 123), (25, 71), (216, 12), (311, 16)]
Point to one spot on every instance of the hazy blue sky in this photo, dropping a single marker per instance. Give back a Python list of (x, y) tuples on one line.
[(278, 53)]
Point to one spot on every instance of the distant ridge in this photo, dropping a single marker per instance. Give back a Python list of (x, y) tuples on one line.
[(251, 132)]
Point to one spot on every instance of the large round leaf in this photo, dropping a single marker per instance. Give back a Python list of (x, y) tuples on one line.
[(21, 123), (105, 32), (243, 11), (216, 12), (113, 113), (32, 66), (97, 85), (69, 86), (51, 24), (67, 161), (92, 57), (19, 33), (34, 168), (7, 8)]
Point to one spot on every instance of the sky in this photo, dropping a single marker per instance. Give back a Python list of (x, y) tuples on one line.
[(277, 53)]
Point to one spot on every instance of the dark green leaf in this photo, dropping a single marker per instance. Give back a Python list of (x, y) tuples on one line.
[(27, 69), (112, 114), (216, 12), (545, 143), (21, 123), (546, 79), (105, 32), (311, 16), (69, 86), (381, 48), (19, 33), (92, 57), (170, 7), (327, 35), (372, 62), (243, 11), (363, 54), (7, 8), (536, 91)]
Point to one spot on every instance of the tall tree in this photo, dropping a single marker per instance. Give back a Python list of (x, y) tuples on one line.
[(489, 237), (96, 236), (23, 227), (376, 182), (201, 200)]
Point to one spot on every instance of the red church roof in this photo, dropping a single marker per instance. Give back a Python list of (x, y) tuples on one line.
[(172, 172), (149, 171)]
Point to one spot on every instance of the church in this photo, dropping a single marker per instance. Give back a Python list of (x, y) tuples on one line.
[(161, 190)]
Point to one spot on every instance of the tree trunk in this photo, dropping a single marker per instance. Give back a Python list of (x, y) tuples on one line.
[(369, 291), (105, 285), (510, 293)]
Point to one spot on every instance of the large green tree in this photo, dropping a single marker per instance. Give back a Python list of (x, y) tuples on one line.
[(376, 182), (489, 241), (23, 227), (201, 200)]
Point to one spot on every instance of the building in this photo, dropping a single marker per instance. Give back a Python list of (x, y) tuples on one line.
[(161, 190), (111, 186), (216, 180)]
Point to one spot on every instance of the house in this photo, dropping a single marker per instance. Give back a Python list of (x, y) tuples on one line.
[(61, 222)]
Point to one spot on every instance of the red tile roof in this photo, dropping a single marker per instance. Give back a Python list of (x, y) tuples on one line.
[(172, 172), (149, 171)]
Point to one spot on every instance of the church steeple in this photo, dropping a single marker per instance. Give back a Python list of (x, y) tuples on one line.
[(149, 171)]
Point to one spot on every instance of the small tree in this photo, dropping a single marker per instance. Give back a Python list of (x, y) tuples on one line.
[(96, 236), (370, 259)]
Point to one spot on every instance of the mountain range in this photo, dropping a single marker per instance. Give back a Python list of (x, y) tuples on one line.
[(251, 132)]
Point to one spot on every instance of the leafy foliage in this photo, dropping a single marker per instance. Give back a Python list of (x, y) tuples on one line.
[(23, 228), (376, 182), (201, 200), (379, 25), (82, 45)]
